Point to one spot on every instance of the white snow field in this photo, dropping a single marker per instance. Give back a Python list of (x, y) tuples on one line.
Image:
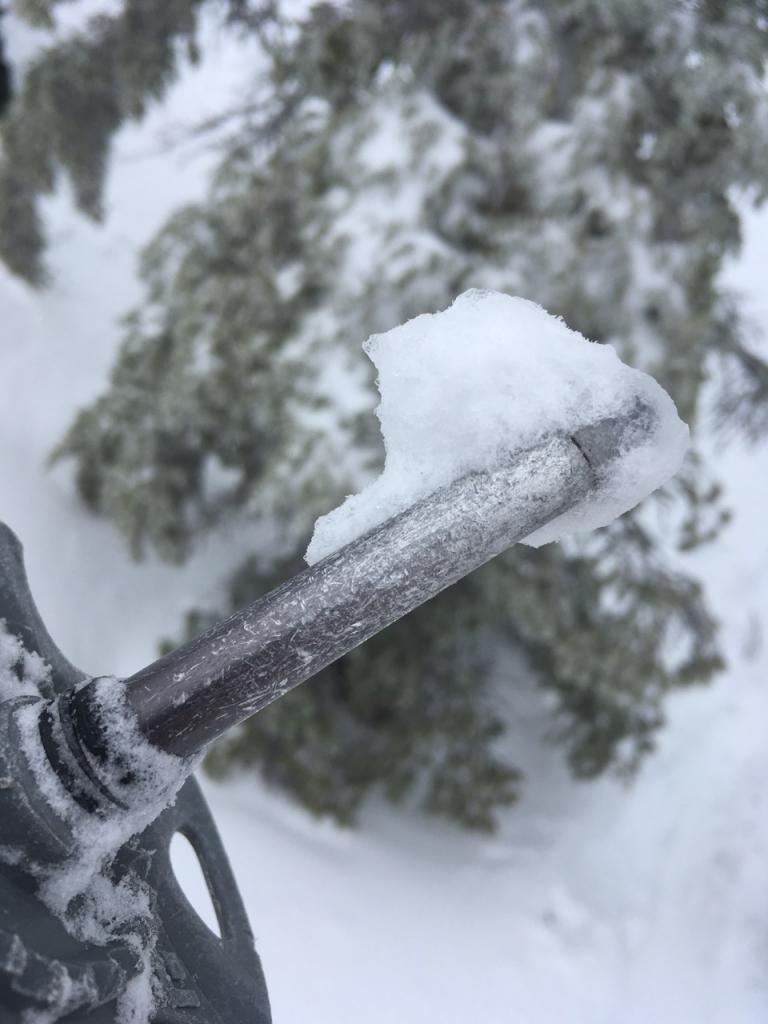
[(594, 904), (491, 376)]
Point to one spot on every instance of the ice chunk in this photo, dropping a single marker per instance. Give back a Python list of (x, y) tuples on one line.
[(490, 376)]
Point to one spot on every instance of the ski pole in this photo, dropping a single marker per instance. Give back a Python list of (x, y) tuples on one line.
[(198, 692), (77, 803)]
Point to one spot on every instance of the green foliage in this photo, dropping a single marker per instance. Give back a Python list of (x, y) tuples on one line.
[(74, 97), (583, 154), (37, 12)]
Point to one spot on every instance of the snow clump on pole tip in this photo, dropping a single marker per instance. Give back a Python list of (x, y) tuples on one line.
[(490, 376)]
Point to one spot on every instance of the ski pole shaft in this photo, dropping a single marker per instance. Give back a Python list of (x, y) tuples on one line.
[(199, 691)]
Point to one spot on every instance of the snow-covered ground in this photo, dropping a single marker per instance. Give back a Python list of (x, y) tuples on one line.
[(594, 904)]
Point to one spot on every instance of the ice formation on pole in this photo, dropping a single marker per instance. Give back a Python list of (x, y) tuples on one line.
[(490, 376)]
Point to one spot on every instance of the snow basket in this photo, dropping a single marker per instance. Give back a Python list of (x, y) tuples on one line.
[(47, 972)]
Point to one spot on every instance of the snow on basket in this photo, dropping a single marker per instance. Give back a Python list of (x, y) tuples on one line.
[(490, 376)]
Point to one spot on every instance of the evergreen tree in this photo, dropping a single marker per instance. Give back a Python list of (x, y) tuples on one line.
[(580, 153)]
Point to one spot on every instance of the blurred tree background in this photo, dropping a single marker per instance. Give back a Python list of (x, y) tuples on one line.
[(581, 153)]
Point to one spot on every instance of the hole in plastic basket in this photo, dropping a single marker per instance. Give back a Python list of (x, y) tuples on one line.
[(189, 875)]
